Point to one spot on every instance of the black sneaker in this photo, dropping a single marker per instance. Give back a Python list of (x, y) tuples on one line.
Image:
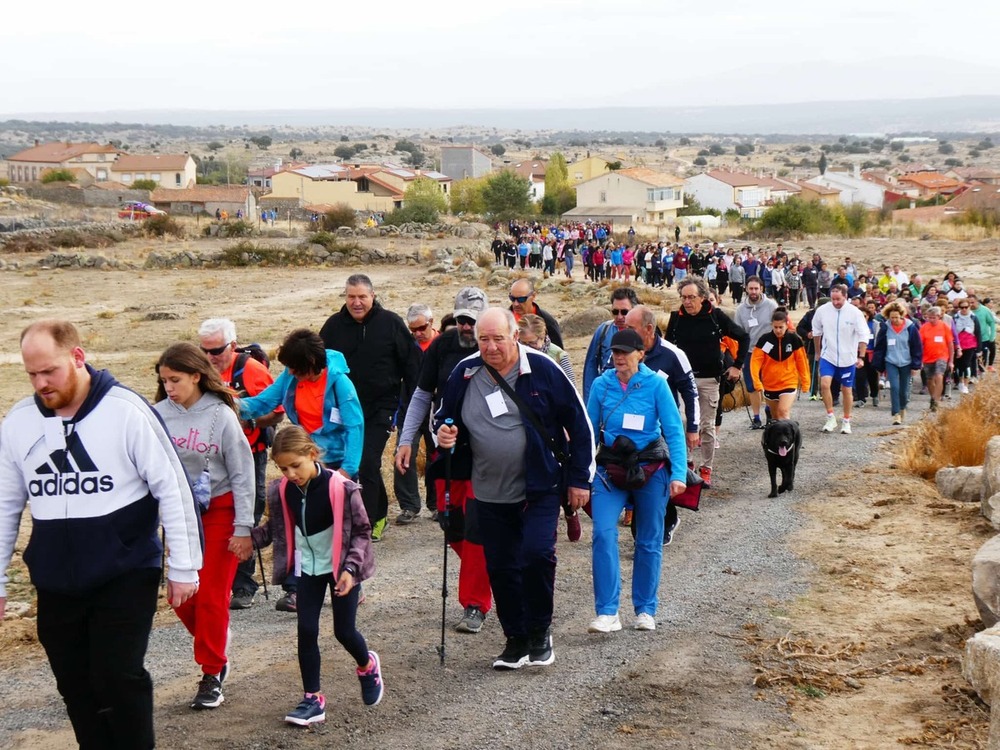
[(515, 655), (434, 515), (756, 425), (406, 517), (472, 620), (668, 535), (209, 693), (540, 653), (286, 603), (242, 600)]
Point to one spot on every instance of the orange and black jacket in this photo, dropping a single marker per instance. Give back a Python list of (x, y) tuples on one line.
[(780, 364)]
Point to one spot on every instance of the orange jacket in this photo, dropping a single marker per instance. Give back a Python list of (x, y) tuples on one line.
[(780, 364)]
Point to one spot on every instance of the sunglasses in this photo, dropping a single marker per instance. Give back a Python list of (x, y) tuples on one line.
[(464, 321), (617, 312), (520, 300), (419, 329), (217, 350)]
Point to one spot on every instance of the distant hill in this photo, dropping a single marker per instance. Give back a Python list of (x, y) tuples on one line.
[(969, 114)]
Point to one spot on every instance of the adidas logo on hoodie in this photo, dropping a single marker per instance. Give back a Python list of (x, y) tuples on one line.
[(70, 473)]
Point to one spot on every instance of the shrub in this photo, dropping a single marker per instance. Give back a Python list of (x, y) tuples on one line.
[(340, 215), (956, 436), (238, 228), (144, 185), (700, 161), (57, 175), (4, 182), (161, 225)]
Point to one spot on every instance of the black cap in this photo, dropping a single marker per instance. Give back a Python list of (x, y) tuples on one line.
[(627, 341)]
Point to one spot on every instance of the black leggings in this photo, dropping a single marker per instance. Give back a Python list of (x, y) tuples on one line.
[(965, 366), (312, 592)]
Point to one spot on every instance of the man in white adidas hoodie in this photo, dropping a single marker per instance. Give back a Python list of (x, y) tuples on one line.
[(840, 335), (101, 474)]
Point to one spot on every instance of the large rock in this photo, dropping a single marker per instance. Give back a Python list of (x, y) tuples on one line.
[(991, 469), (981, 667), (986, 581), (585, 322), (962, 483)]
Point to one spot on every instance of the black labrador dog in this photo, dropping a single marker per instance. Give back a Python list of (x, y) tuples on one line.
[(782, 441)]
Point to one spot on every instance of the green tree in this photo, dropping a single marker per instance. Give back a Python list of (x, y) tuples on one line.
[(423, 200), (946, 148), (261, 141), (467, 196), (144, 185), (716, 149), (57, 175), (344, 152), (215, 146), (416, 156), (497, 149), (506, 195), (700, 161), (295, 153)]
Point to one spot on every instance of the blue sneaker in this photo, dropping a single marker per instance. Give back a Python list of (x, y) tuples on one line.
[(372, 686), (311, 710)]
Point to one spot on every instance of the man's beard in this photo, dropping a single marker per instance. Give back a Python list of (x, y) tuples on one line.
[(466, 341)]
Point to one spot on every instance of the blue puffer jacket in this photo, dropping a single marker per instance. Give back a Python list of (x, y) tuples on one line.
[(544, 387), (647, 399), (342, 435)]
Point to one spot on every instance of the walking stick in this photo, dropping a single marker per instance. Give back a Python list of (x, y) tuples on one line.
[(263, 575), (444, 574)]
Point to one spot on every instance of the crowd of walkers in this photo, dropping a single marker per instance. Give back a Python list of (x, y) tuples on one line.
[(513, 442)]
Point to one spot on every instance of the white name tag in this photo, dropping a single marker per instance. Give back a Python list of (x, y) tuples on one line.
[(298, 562), (55, 435), (891, 342), (335, 415), (939, 339), (498, 406), (663, 375), (633, 421), (752, 322), (768, 346)]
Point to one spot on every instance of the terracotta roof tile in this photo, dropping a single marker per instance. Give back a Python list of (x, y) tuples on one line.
[(59, 151), (201, 194), (149, 162), (651, 177)]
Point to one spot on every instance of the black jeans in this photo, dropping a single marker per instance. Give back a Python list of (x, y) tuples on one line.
[(373, 491), (243, 581), (407, 486), (312, 592), (96, 644)]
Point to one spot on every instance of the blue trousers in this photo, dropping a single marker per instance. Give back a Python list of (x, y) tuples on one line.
[(650, 506), (899, 386), (519, 541)]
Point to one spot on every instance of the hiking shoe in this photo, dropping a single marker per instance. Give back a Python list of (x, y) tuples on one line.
[(573, 530), (859, 404), (874, 402), (902, 415), (540, 653), (372, 686), (515, 654), (963, 388), (242, 600), (209, 693), (378, 528), (311, 710), (407, 516), (605, 624), (668, 535), (814, 398), (627, 518), (286, 603), (706, 477), (756, 424), (934, 405), (896, 419), (845, 427), (472, 620), (831, 423), (644, 621)]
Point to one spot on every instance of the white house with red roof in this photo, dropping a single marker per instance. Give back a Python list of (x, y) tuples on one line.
[(94, 159), (166, 170)]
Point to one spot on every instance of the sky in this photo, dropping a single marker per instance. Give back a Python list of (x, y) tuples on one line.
[(441, 54)]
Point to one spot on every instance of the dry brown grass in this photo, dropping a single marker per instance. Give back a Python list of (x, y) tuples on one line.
[(956, 436)]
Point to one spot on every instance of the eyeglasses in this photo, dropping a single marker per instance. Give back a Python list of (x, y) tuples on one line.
[(690, 296), (521, 299), (616, 312), (419, 329), (217, 350), (464, 321)]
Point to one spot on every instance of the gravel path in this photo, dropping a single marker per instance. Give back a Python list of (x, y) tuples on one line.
[(685, 685)]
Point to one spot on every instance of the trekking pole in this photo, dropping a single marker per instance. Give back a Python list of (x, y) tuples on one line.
[(444, 575), (263, 575)]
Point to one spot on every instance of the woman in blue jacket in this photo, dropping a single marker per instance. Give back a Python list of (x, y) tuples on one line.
[(317, 395), (898, 351), (639, 428)]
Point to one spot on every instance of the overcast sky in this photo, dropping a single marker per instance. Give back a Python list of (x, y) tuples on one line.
[(305, 54)]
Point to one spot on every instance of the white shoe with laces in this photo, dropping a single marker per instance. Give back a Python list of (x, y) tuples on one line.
[(845, 427), (831, 423), (644, 621), (605, 624)]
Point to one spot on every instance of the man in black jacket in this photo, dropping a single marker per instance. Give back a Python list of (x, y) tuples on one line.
[(697, 329), (522, 302), (383, 359)]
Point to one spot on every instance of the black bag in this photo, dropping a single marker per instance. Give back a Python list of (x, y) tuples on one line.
[(627, 467)]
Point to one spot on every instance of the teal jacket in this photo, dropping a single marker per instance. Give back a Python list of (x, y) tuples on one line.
[(342, 435)]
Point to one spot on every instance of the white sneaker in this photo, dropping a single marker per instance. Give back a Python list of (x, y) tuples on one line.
[(644, 621), (963, 388), (605, 624), (831, 423), (845, 427)]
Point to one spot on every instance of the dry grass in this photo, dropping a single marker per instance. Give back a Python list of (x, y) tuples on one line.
[(957, 436)]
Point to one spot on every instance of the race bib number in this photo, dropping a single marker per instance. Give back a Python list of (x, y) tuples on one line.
[(768, 346), (335, 416), (497, 405), (633, 422)]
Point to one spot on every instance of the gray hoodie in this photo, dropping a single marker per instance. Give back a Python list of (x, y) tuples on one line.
[(230, 461), (760, 314)]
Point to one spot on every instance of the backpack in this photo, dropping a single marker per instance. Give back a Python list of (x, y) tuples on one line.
[(243, 353)]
